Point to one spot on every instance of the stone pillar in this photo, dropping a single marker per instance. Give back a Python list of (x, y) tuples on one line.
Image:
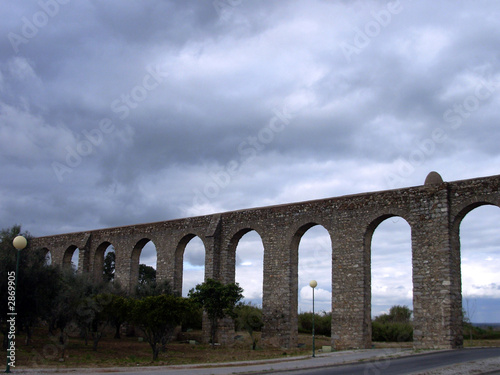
[(165, 250), (280, 329), (435, 274), (122, 264), (57, 254), (351, 323), (213, 255), (84, 255)]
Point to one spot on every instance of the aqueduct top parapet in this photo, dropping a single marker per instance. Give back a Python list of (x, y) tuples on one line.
[(434, 212)]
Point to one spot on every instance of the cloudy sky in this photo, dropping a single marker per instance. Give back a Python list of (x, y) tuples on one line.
[(124, 112)]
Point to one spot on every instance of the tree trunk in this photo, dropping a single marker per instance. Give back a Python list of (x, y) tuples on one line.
[(97, 337), (156, 351), (117, 332), (29, 334), (213, 333)]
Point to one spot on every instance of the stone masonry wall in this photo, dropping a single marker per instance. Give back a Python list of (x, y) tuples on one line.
[(433, 211)]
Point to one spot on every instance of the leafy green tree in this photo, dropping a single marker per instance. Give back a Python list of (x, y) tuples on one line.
[(75, 303), (193, 319), (147, 284), (395, 326), (157, 317), (117, 311), (249, 318), (36, 282), (153, 289), (92, 297), (101, 317), (147, 274), (218, 301), (109, 266), (322, 323)]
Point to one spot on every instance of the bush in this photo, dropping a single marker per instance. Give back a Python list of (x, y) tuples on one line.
[(392, 332), (193, 319), (249, 318), (472, 332), (393, 327), (322, 323)]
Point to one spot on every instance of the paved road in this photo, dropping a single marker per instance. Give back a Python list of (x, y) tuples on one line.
[(375, 362), (406, 365)]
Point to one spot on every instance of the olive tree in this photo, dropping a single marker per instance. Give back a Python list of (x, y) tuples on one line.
[(218, 300)]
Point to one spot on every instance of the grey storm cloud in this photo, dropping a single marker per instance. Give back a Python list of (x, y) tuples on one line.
[(116, 113)]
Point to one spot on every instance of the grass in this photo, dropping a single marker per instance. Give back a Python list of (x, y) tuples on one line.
[(45, 352)]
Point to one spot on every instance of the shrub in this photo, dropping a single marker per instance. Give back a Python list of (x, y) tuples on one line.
[(393, 327), (392, 332), (322, 323)]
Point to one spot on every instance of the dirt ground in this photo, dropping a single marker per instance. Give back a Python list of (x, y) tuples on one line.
[(132, 351)]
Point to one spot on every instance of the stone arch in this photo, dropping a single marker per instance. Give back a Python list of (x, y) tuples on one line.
[(99, 260), (297, 234), (249, 266), (134, 261), (455, 240), (368, 237), (68, 255), (456, 247), (229, 275), (48, 256), (179, 260), (463, 211)]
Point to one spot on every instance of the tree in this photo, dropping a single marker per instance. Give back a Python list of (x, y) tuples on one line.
[(153, 289), (249, 318), (109, 267), (147, 274), (147, 284), (117, 311), (218, 301), (467, 315), (36, 282), (157, 317), (395, 326), (76, 302)]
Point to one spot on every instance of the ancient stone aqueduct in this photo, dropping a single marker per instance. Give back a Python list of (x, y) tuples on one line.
[(434, 212)]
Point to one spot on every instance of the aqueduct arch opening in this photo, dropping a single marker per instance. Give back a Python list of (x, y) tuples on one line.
[(479, 254), (193, 267), (71, 258), (388, 241), (434, 211), (99, 256), (249, 266), (311, 254), (135, 260), (48, 256)]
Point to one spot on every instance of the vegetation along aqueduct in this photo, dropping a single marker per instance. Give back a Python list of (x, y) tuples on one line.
[(434, 212)]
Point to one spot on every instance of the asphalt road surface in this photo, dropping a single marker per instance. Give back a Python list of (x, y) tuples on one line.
[(405, 365)]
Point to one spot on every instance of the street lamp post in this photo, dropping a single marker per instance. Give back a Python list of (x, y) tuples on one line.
[(313, 284), (19, 243)]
